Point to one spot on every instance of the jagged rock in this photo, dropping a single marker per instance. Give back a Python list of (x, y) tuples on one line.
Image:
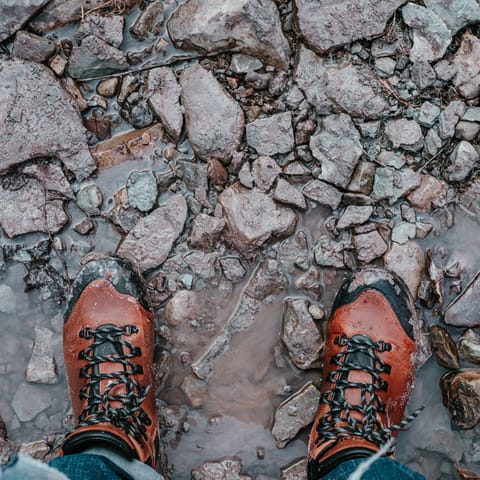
[(324, 25), (405, 134), (463, 159), (323, 193), (467, 130), (227, 468), (423, 74), (201, 263), (408, 262), (431, 37), (469, 345), (403, 231), (187, 306), (265, 171), (300, 334), (150, 241), (232, 268), (286, 193), (248, 26), (328, 253), (343, 87), (214, 121), (244, 63), (42, 367), (195, 390), (449, 118), (428, 115), (461, 395), (467, 65), (463, 311), (13, 15), (142, 190), (430, 190), (444, 348), (433, 143), (108, 28), (205, 231), (295, 471), (33, 48), (369, 246), (271, 135), (456, 14), (362, 178), (252, 217), (337, 147), (295, 413), (32, 102), (121, 214), (150, 21), (163, 95), (29, 400), (394, 184), (310, 282), (90, 199), (385, 66), (354, 215)]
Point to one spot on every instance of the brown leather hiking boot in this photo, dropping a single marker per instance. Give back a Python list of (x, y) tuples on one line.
[(108, 344), (369, 370)]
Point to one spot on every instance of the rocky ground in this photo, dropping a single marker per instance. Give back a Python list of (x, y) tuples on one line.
[(246, 156)]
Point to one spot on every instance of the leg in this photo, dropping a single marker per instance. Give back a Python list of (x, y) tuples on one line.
[(369, 373)]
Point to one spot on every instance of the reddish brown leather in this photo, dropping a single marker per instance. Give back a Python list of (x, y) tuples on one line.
[(99, 304), (370, 314)]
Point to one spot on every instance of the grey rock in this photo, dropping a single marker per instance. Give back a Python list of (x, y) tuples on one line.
[(252, 217), (95, 58), (369, 129), (150, 241), (108, 28), (295, 413), (265, 171), (472, 114), (245, 175), (444, 348), (463, 311), (121, 214), (354, 215), (215, 122), (395, 159), (467, 64), (201, 263), (423, 229), (286, 193), (385, 66), (90, 199), (431, 37), (403, 231), (296, 470), (150, 21), (163, 95), (445, 70), (324, 25), (227, 468), (337, 147), (463, 159), (343, 87), (244, 63), (136, 111), (328, 252), (29, 400), (186, 306), (362, 178), (323, 193), (405, 134), (42, 367), (248, 26), (423, 74), (369, 246), (34, 101), (433, 143), (467, 130), (310, 282), (31, 47), (469, 345), (449, 119), (271, 135), (232, 268), (428, 115), (394, 184), (456, 14), (300, 334), (142, 190), (195, 391), (205, 231), (8, 300), (15, 13)]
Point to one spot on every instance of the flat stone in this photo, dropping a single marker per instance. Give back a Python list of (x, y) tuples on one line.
[(403, 231), (444, 348), (431, 37), (354, 215), (408, 262), (31, 47), (163, 95), (244, 63), (323, 193), (285, 192), (252, 217), (227, 468), (467, 130), (456, 14), (232, 268), (324, 25), (385, 66), (394, 184), (271, 135), (34, 101), (150, 241), (472, 114), (433, 143), (142, 190), (362, 178), (463, 159), (423, 74), (205, 231), (42, 367), (461, 395), (202, 263), (252, 27), (405, 134), (369, 246), (337, 147), (265, 171), (338, 87), (463, 311), (215, 122), (328, 253), (149, 22), (14, 14), (428, 115), (469, 345), (296, 470), (467, 64), (449, 118), (301, 335), (108, 28), (29, 400), (95, 58), (295, 413)]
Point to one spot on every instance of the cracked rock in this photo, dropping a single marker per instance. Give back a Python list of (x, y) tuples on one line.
[(232, 268), (227, 468), (369, 246), (271, 135), (214, 121), (13, 15), (393, 184), (248, 26), (467, 64), (205, 231), (328, 253), (265, 171), (429, 113), (32, 102), (286, 193), (142, 190), (354, 215), (42, 367), (463, 311), (323, 193), (449, 118), (33, 48), (405, 134), (148, 243), (108, 28), (338, 87), (463, 159)]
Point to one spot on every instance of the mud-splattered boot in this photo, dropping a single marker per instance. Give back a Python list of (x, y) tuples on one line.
[(109, 341), (369, 370)]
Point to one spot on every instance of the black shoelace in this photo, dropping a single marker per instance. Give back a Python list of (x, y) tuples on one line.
[(120, 409), (360, 354)]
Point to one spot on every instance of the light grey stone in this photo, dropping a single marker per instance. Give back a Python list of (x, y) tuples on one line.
[(29, 401), (428, 115), (8, 299), (463, 311), (42, 367), (369, 246), (472, 114), (467, 130), (108, 28), (142, 190), (405, 134), (15, 13), (90, 199), (354, 215), (271, 135), (323, 193), (449, 118), (227, 468), (393, 184), (286, 193), (433, 143), (385, 66), (463, 159), (245, 63), (456, 14), (423, 74), (328, 252), (467, 65)]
